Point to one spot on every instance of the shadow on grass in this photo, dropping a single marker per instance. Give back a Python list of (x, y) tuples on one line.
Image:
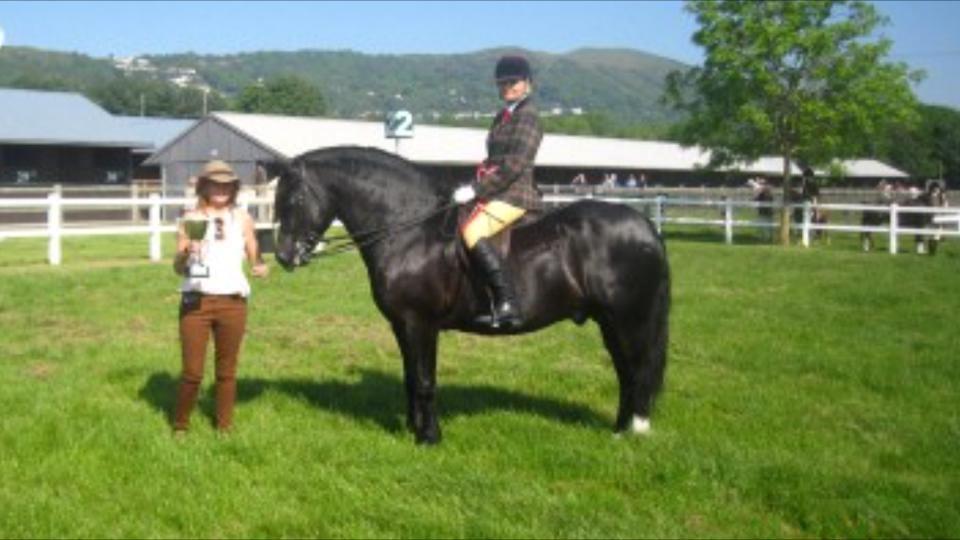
[(380, 398), (160, 391)]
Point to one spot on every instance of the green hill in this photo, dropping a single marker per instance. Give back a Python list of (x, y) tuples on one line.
[(623, 84)]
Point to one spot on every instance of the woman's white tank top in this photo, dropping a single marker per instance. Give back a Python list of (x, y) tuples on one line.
[(224, 256)]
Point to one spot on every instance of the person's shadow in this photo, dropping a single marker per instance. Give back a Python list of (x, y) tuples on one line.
[(380, 397)]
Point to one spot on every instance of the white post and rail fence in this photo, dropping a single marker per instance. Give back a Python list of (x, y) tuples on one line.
[(722, 214), (55, 228)]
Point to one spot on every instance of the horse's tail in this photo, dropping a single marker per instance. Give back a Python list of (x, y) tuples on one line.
[(659, 332), (655, 329)]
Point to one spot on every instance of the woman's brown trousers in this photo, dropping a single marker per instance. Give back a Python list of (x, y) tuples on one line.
[(226, 317)]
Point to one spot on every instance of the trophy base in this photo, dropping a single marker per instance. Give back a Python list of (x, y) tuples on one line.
[(198, 271)]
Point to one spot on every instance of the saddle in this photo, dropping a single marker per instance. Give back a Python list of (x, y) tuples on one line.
[(501, 240)]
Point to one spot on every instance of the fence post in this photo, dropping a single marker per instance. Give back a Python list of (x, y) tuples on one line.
[(728, 220), (134, 209), (894, 227), (243, 200), (54, 224), (658, 214), (155, 227), (807, 215)]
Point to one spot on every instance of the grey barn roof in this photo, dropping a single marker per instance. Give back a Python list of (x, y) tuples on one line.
[(159, 131), (61, 118), (288, 137)]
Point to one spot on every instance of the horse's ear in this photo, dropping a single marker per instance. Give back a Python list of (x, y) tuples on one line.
[(277, 169)]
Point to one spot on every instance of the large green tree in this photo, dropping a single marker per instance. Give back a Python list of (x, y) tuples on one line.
[(803, 79), (930, 149), (286, 95)]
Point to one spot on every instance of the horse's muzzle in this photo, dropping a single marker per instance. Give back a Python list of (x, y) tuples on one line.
[(287, 262), (299, 254)]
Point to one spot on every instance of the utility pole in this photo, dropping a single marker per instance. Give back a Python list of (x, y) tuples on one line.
[(143, 105), (206, 92)]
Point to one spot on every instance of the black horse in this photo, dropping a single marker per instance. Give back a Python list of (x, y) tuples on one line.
[(933, 196), (588, 260)]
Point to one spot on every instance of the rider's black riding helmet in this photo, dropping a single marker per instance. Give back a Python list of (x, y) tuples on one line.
[(512, 67)]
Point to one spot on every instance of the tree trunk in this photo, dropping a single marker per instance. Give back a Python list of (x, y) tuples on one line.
[(785, 208)]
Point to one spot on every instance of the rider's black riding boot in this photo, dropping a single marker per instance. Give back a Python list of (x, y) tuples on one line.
[(506, 312)]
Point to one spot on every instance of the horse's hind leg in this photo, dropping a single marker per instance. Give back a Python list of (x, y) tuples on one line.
[(638, 347), (627, 376)]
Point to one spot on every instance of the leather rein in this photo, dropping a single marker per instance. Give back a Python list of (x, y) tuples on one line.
[(342, 243)]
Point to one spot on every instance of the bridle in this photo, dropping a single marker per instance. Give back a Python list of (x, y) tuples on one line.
[(342, 243)]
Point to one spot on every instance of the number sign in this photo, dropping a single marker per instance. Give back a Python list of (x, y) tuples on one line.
[(399, 125)]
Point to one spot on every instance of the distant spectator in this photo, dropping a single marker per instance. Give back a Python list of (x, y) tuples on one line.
[(631, 181), (885, 189), (579, 180), (763, 195)]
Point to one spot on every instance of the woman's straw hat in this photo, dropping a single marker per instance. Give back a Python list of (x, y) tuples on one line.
[(219, 172)]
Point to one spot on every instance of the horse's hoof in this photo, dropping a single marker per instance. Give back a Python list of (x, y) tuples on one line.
[(427, 441), (429, 437), (638, 425)]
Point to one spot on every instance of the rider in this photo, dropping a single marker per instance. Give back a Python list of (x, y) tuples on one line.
[(504, 186)]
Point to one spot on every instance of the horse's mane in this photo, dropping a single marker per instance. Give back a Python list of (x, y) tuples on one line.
[(357, 159)]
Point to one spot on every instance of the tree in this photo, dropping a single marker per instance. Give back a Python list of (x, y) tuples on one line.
[(286, 95), (133, 95), (801, 79), (930, 149)]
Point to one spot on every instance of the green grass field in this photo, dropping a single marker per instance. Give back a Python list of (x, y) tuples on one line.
[(809, 393)]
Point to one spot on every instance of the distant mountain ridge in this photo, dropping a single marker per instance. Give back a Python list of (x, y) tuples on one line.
[(623, 84)]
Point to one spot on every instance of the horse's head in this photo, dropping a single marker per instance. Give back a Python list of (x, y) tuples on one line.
[(304, 211)]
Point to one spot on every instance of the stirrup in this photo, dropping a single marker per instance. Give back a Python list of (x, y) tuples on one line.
[(506, 318)]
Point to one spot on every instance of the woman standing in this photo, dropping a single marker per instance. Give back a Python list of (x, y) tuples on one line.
[(217, 302), (504, 187)]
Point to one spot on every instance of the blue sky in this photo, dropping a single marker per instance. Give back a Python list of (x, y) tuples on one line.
[(925, 33)]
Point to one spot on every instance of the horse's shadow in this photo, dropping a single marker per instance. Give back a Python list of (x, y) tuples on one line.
[(379, 397)]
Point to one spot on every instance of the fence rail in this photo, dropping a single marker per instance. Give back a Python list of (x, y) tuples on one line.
[(55, 229), (658, 206), (661, 209)]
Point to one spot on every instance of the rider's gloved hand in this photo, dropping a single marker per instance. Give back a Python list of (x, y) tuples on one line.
[(464, 194)]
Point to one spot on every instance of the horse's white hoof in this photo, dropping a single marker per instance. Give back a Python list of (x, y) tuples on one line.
[(640, 426)]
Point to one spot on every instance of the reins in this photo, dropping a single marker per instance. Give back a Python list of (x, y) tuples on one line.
[(357, 240), (361, 239)]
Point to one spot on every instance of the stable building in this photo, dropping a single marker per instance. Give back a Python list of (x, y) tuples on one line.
[(159, 131), (246, 140), (62, 138), (862, 173)]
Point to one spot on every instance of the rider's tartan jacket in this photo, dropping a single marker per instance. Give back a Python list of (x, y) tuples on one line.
[(512, 145)]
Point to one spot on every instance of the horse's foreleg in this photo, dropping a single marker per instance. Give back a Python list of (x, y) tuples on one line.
[(418, 344), (409, 373)]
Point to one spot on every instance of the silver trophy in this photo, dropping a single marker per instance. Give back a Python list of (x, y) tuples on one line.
[(196, 229)]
